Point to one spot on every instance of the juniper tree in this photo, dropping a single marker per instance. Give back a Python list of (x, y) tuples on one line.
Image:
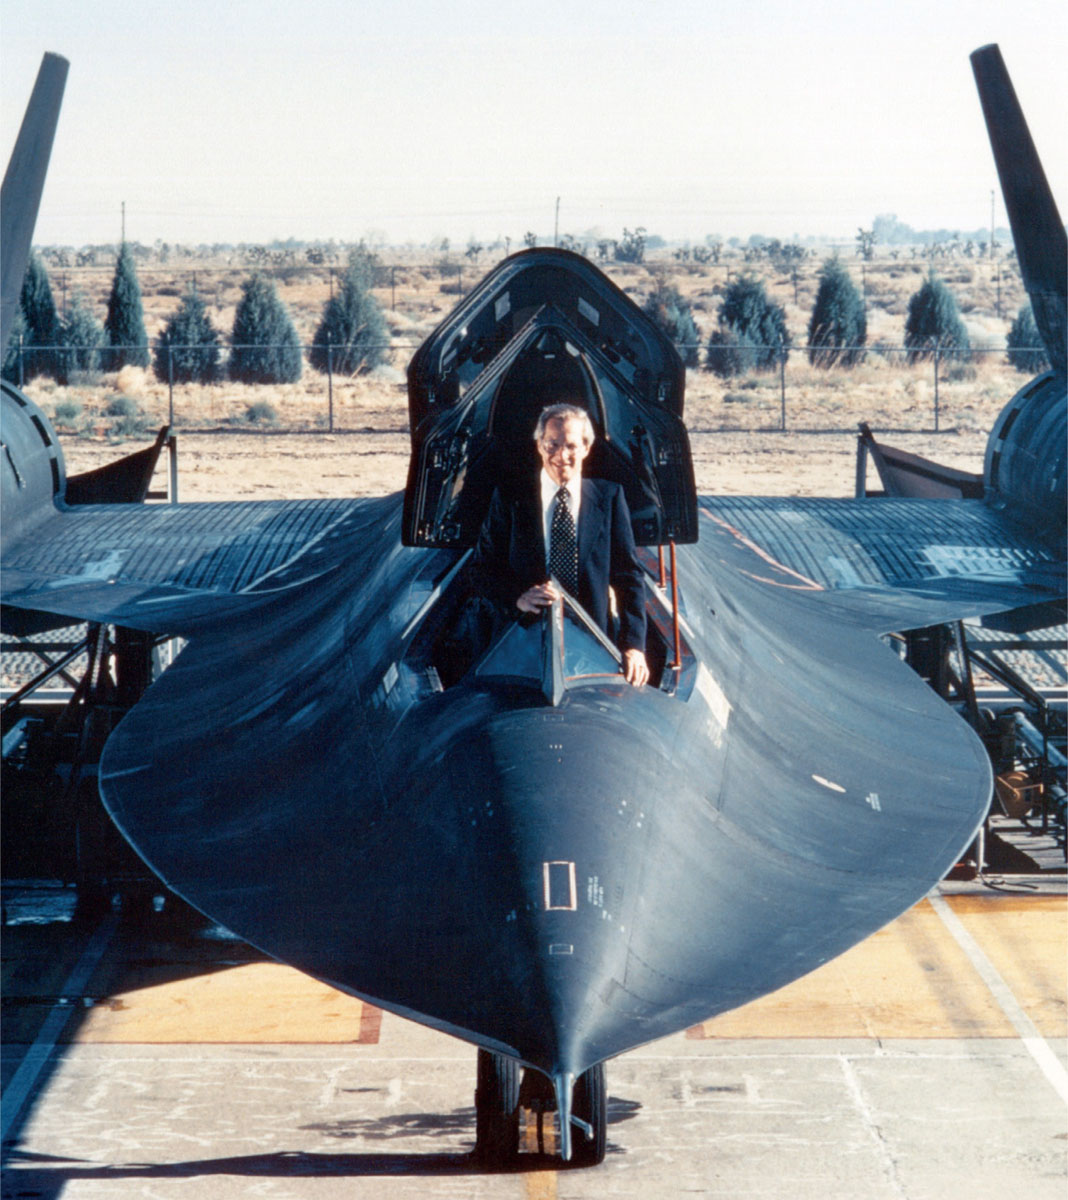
[(838, 326), (933, 322), (1024, 343), (82, 337), (40, 326), (731, 352), (125, 322), (750, 323), (670, 312), (352, 335), (264, 343), (187, 351)]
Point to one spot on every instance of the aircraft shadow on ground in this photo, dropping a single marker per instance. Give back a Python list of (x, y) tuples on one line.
[(45, 1176)]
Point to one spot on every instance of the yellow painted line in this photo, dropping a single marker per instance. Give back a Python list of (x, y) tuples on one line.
[(540, 1185), (913, 980), (909, 980), (258, 1002)]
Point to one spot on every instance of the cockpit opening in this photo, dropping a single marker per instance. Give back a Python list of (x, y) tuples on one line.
[(465, 639)]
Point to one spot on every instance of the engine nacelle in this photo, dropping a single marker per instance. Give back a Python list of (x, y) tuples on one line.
[(33, 475), (1025, 468)]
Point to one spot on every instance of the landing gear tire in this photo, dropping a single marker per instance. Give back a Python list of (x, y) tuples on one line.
[(590, 1104), (497, 1110)]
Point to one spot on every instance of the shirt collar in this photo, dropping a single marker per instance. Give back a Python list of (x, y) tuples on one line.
[(549, 489)]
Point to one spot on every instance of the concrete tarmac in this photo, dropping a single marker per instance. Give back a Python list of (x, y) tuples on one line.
[(929, 1063)]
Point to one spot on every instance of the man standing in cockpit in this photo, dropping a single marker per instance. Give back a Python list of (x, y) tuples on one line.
[(574, 530)]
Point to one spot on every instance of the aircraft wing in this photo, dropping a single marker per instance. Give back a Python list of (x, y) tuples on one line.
[(885, 563), (178, 568)]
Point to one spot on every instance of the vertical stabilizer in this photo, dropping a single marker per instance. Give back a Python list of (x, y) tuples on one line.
[(1041, 244), (24, 183)]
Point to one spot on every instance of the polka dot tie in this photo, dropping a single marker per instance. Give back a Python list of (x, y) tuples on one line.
[(563, 544)]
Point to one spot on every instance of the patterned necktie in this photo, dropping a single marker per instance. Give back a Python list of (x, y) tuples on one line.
[(563, 544)]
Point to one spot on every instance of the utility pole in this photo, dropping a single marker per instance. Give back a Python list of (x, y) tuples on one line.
[(991, 222), (556, 226)]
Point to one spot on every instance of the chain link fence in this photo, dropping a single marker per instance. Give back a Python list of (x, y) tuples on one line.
[(317, 399)]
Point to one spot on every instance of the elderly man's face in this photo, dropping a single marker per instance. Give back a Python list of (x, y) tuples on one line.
[(562, 448)]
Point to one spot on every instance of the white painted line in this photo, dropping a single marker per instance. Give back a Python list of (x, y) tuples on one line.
[(1035, 1043), (37, 1056)]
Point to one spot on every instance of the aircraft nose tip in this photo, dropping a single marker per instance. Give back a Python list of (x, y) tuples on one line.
[(571, 805)]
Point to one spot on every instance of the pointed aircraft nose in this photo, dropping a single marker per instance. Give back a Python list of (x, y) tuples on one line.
[(557, 805)]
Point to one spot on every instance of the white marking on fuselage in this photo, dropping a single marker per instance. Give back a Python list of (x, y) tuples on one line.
[(716, 699), (97, 571), (835, 787)]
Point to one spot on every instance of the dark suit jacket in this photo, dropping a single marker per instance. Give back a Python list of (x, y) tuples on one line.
[(510, 554)]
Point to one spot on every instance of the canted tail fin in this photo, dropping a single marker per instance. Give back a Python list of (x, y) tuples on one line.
[(23, 184), (1041, 244)]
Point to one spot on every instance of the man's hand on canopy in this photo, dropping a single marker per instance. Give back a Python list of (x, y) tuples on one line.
[(635, 668), (540, 596)]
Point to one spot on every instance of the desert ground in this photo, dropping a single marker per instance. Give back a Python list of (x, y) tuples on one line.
[(355, 440)]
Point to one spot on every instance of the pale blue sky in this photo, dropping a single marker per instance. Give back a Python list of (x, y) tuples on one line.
[(255, 119)]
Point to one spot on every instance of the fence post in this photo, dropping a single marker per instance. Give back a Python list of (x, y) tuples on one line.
[(172, 459), (170, 385), (330, 379), (783, 352), (937, 358)]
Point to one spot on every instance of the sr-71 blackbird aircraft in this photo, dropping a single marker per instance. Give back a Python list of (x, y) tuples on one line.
[(504, 841)]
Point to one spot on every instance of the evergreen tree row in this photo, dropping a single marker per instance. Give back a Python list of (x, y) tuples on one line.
[(751, 333), (264, 347)]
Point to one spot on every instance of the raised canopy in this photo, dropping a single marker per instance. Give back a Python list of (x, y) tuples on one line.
[(545, 326)]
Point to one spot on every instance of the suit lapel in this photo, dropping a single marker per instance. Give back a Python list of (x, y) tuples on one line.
[(528, 511), (591, 514)]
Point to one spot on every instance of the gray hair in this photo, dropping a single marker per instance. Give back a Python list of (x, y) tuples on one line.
[(564, 412)]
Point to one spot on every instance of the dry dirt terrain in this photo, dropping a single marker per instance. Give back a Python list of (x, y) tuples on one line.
[(232, 466)]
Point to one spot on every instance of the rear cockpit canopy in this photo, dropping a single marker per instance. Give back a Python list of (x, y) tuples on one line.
[(545, 327)]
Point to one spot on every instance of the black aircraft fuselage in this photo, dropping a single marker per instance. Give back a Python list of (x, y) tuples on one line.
[(480, 825)]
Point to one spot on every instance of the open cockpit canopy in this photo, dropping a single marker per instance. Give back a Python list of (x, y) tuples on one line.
[(545, 327)]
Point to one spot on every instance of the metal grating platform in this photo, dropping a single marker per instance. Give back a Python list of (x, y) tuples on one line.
[(217, 546), (850, 543)]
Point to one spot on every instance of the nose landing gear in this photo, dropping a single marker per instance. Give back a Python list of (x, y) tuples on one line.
[(504, 1091)]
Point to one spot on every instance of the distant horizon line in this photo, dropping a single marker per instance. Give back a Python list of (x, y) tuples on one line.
[(654, 241)]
